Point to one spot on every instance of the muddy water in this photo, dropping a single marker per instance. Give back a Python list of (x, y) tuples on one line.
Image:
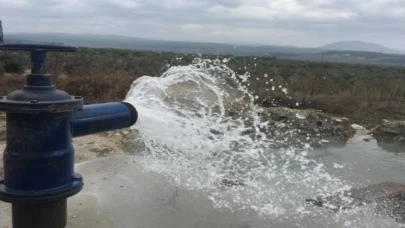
[(366, 160)]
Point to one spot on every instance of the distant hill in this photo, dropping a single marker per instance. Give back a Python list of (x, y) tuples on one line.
[(345, 51), (123, 42), (359, 46)]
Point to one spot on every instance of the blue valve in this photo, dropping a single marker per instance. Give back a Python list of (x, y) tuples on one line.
[(39, 157)]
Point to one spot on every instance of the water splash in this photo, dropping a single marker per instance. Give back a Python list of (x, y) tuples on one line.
[(195, 136)]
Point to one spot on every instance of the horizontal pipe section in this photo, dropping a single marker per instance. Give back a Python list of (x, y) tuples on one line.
[(97, 118)]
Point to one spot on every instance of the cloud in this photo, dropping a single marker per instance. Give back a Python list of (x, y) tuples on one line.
[(285, 22)]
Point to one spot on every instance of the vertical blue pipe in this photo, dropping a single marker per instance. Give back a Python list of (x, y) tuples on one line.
[(39, 154)]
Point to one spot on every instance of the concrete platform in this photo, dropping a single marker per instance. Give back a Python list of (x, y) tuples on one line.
[(118, 193)]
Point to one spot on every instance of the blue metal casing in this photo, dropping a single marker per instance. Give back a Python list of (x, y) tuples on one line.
[(39, 156)]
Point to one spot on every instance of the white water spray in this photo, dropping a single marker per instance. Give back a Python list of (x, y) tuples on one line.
[(191, 138)]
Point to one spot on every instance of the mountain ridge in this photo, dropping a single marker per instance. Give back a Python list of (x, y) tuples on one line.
[(342, 51), (356, 45)]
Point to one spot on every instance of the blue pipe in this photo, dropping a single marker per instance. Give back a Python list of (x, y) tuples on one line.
[(39, 157), (99, 118)]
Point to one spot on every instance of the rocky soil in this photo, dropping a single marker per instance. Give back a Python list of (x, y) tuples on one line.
[(313, 127), (390, 130), (295, 127)]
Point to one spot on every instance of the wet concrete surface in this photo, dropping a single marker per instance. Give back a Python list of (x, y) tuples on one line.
[(118, 193)]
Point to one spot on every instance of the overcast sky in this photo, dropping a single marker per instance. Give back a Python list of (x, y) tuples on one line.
[(306, 23)]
